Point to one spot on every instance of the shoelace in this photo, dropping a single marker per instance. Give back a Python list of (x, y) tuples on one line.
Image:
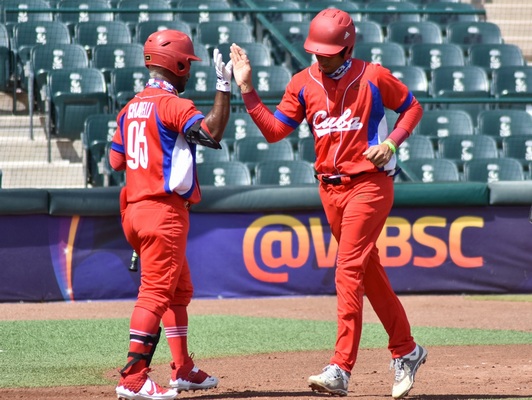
[(398, 364), (331, 371)]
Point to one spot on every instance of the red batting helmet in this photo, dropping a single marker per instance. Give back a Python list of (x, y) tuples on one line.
[(170, 49), (330, 32)]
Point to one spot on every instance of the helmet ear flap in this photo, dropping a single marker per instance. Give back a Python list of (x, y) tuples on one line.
[(182, 68)]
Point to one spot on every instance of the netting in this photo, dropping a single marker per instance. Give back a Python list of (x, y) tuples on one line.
[(67, 67)]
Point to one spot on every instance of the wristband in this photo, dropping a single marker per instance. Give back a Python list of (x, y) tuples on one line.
[(223, 86), (390, 145)]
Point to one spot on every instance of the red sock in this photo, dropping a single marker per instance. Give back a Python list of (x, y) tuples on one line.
[(175, 321)]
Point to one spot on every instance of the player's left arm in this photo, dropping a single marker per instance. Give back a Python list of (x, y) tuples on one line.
[(397, 97)]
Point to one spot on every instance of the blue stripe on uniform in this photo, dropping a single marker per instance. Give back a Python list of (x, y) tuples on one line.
[(376, 115), (167, 138), (406, 103)]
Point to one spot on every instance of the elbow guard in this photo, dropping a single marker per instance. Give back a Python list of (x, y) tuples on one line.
[(197, 135)]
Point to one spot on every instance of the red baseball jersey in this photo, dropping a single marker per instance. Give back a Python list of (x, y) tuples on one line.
[(159, 161), (346, 116)]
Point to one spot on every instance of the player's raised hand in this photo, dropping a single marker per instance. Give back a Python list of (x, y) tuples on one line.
[(223, 72), (241, 68)]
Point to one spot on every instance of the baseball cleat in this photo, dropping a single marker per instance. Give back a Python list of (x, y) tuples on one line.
[(140, 387), (405, 371), (332, 380), (196, 379)]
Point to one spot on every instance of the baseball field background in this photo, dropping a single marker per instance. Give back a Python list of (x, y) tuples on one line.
[(480, 347)]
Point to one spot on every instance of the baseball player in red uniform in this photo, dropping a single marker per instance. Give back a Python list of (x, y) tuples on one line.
[(155, 143), (343, 100)]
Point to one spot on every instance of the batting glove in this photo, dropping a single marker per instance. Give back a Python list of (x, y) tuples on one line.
[(223, 72)]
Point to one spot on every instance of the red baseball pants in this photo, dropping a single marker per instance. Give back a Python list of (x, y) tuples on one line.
[(356, 213)]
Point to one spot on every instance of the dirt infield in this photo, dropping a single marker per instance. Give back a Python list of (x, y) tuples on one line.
[(469, 372)]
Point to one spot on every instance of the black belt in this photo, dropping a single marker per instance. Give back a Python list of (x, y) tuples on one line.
[(338, 180)]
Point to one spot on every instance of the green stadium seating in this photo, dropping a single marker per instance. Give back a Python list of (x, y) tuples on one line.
[(493, 170), (223, 173), (285, 173), (75, 93)]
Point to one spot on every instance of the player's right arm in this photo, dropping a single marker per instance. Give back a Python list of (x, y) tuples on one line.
[(272, 128), (117, 156)]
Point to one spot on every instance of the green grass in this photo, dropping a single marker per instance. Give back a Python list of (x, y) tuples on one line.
[(527, 298), (78, 352)]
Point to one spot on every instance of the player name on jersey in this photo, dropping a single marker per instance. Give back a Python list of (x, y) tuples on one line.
[(142, 109)]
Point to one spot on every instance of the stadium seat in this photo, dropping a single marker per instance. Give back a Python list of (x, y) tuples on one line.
[(239, 126), (48, 57), (510, 83), (494, 56), (252, 150), (74, 95), (473, 109), (146, 28), (201, 51), (107, 57), (203, 14), (391, 118), (110, 176), (10, 17), (5, 58), (202, 83), (353, 8), (270, 82), (416, 146), (208, 155), (493, 170), (431, 170), (134, 11), (125, 83), (387, 54), (94, 33), (408, 33), (414, 77), (387, 16), (84, 13), (458, 12), (285, 173), (462, 148), (503, 123), (258, 53), (305, 149), (466, 34), (213, 33), (368, 32), (431, 56), (225, 173), (302, 131), (437, 124), (98, 129), (293, 32), (274, 5), (26, 35), (518, 147), (456, 82)]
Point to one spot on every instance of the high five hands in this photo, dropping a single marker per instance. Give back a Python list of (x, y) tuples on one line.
[(241, 68)]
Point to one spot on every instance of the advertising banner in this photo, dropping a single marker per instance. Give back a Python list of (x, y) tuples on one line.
[(424, 250)]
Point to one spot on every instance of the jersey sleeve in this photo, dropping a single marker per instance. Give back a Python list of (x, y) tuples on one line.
[(177, 114), (117, 156), (395, 94), (397, 97)]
